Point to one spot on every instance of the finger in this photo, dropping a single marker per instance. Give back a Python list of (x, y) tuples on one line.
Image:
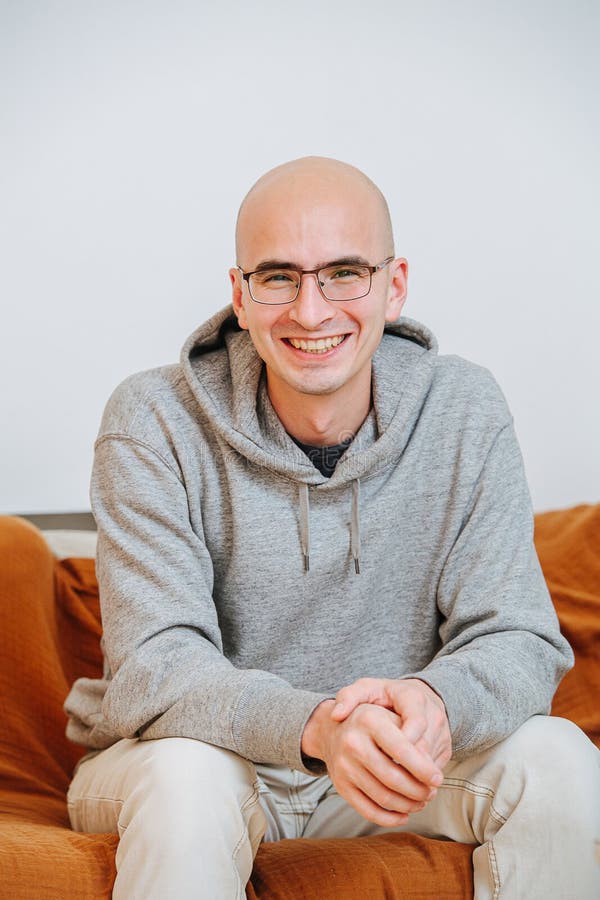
[(385, 798), (439, 758), (393, 780), (360, 748), (414, 717), (365, 690), (394, 777), (372, 811), (341, 711), (440, 753), (396, 745)]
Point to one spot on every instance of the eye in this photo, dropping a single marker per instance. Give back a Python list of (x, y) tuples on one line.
[(275, 277), (346, 273)]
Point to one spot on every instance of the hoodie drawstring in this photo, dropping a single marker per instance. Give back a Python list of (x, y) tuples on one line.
[(305, 526), (354, 525)]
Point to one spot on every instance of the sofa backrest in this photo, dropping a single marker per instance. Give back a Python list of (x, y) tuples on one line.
[(49, 636), (568, 546)]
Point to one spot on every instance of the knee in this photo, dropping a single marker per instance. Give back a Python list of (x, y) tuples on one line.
[(184, 791), (555, 758), (184, 768), (552, 742), (190, 823)]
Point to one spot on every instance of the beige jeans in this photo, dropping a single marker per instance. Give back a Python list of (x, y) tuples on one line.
[(191, 816)]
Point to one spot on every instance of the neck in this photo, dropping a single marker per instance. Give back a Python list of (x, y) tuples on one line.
[(322, 420)]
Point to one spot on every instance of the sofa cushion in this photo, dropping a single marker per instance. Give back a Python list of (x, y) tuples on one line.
[(51, 862), (391, 866)]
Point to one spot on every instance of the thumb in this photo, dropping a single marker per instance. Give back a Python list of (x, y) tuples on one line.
[(343, 708), (365, 690)]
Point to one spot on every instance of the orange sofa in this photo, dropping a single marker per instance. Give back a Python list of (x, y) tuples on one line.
[(49, 635)]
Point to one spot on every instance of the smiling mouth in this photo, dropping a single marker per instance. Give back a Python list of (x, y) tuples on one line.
[(320, 345)]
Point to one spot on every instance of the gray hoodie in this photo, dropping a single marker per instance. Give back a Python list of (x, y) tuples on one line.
[(239, 587)]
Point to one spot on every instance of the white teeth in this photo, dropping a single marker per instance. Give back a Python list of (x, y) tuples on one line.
[(319, 346)]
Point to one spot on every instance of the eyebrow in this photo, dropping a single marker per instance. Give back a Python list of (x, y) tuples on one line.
[(286, 264)]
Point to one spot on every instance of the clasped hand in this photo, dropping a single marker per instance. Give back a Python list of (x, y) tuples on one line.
[(385, 743)]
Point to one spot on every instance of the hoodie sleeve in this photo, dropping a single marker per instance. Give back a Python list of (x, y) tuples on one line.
[(166, 675), (503, 654)]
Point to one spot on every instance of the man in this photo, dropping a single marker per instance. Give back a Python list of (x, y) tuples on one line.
[(323, 613)]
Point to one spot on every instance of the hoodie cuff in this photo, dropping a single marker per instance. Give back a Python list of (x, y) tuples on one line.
[(269, 721)]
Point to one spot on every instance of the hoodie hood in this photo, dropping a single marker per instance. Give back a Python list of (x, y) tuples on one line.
[(230, 388)]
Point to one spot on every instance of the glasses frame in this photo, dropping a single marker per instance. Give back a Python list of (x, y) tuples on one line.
[(315, 272)]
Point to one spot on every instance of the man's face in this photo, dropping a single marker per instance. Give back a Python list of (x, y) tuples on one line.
[(309, 226)]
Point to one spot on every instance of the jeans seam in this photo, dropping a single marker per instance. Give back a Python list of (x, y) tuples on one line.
[(481, 791), (494, 869), (253, 798), (295, 802), (470, 786), (496, 815)]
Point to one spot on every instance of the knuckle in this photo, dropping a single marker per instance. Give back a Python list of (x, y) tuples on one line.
[(387, 818), (420, 722), (377, 815), (418, 792), (342, 765), (352, 742), (396, 785), (390, 801), (364, 712), (379, 819), (360, 713)]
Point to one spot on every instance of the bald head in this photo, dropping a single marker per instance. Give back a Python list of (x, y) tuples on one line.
[(327, 188)]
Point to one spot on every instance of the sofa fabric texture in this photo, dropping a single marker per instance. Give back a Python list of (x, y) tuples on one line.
[(50, 635)]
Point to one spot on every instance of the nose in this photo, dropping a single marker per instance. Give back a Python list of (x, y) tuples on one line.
[(310, 308)]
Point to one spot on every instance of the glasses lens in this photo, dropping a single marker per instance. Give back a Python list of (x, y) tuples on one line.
[(347, 282), (274, 285)]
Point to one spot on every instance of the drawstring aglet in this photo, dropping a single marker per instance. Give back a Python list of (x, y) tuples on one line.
[(306, 562), (357, 565)]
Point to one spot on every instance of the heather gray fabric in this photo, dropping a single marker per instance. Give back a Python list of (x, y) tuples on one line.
[(214, 627)]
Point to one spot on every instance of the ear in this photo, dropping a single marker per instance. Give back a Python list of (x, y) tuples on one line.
[(237, 297), (397, 289)]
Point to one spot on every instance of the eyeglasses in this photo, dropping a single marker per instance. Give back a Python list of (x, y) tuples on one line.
[(337, 281)]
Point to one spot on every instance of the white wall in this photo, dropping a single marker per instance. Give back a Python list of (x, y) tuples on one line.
[(129, 132)]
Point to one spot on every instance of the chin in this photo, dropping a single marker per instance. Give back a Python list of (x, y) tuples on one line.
[(315, 389)]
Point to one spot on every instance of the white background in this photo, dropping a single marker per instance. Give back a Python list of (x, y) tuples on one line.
[(130, 131)]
